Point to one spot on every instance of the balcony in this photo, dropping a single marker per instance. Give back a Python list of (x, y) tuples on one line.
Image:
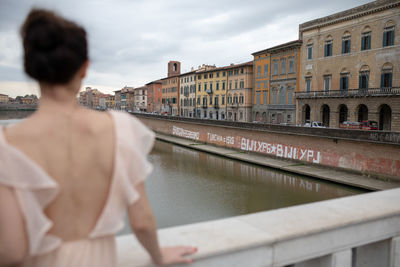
[(385, 91)]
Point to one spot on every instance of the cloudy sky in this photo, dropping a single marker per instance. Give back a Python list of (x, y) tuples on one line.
[(131, 41)]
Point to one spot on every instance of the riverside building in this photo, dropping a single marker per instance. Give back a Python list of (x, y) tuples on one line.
[(239, 92), (187, 94), (261, 74), (350, 67), (170, 89)]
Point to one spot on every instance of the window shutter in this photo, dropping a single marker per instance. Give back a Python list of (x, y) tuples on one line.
[(382, 79), (360, 82), (390, 80), (384, 39), (341, 83), (392, 37), (349, 46), (343, 46), (362, 43), (369, 41), (326, 50)]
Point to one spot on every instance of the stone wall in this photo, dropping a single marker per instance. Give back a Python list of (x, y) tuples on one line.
[(372, 153)]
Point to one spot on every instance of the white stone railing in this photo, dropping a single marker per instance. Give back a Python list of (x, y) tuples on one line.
[(362, 230)]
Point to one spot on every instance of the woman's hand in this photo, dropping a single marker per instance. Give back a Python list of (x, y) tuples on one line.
[(176, 255)]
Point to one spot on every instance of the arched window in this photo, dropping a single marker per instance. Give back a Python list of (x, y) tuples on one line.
[(346, 43), (388, 34), (386, 75), (363, 79), (343, 113), (344, 80), (366, 38), (310, 45), (328, 46)]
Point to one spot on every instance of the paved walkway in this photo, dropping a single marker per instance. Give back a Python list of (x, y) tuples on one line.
[(337, 176)]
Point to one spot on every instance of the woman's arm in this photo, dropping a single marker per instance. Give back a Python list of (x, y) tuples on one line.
[(144, 226), (13, 239)]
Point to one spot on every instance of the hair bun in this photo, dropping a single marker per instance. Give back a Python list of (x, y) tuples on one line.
[(54, 48)]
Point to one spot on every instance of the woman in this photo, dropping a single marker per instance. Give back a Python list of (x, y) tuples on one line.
[(68, 174)]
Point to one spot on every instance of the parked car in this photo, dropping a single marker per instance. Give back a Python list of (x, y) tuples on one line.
[(315, 124), (350, 125), (369, 125)]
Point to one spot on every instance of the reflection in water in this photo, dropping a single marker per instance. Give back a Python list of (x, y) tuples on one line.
[(188, 186)]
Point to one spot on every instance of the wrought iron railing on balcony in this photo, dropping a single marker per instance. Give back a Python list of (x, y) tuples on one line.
[(384, 91)]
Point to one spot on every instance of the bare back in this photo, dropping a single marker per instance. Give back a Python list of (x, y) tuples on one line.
[(77, 151)]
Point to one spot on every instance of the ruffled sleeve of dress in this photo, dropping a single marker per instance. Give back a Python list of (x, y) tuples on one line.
[(34, 190), (134, 141)]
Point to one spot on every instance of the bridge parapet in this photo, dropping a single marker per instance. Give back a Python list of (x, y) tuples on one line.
[(362, 230)]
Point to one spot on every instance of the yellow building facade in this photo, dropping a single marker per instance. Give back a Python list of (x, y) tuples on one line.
[(211, 87), (261, 74)]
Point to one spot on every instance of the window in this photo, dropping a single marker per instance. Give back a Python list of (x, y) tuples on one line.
[(258, 71), (366, 41), (266, 70), (211, 75), (386, 79), (199, 87), (388, 36), (217, 86), (241, 84), (216, 100), (309, 51), (198, 100), (327, 83), (328, 48), (211, 100), (236, 84), (223, 73), (282, 97), (258, 85), (205, 86), (265, 84), (363, 80), (211, 85), (346, 45), (223, 85), (290, 97), (223, 100), (344, 82), (275, 67), (230, 84), (275, 100), (199, 77), (241, 70), (291, 65), (283, 65), (217, 74), (265, 97), (308, 84), (258, 98)]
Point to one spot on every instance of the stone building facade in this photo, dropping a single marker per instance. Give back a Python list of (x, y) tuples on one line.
[(239, 93), (350, 67), (3, 98), (187, 94), (140, 99), (285, 59)]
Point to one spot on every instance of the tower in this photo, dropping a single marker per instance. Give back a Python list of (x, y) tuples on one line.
[(174, 68)]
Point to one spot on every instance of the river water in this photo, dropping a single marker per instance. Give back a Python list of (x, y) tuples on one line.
[(188, 186)]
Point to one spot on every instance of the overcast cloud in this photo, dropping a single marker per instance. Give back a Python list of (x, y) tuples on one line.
[(131, 42)]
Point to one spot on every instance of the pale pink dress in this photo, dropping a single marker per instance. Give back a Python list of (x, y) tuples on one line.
[(35, 189)]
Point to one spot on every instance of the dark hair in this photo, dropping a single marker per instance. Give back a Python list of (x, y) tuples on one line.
[(54, 48)]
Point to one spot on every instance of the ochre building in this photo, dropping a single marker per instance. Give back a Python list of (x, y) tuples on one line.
[(350, 67)]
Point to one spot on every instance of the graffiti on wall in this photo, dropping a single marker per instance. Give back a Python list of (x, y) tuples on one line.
[(281, 150), (185, 133), (228, 140)]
